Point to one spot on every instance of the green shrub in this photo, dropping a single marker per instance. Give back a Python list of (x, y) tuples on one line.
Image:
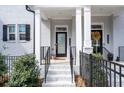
[(3, 66), (98, 73), (97, 56), (25, 72)]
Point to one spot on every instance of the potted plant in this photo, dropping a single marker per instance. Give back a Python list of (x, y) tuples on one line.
[(110, 56)]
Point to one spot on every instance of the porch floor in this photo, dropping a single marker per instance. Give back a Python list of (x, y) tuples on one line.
[(59, 61)]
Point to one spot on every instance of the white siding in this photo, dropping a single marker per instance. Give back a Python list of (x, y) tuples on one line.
[(45, 33), (13, 14), (118, 32)]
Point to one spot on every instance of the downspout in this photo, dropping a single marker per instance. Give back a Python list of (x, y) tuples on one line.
[(32, 11)]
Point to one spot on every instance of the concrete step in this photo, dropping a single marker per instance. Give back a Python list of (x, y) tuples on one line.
[(59, 84), (59, 75), (59, 78), (67, 72), (59, 67)]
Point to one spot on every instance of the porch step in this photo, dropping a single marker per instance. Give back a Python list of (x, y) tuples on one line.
[(53, 61), (58, 78), (53, 72), (59, 75), (59, 84)]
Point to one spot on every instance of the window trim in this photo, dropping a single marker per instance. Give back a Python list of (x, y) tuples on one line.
[(18, 33), (8, 33)]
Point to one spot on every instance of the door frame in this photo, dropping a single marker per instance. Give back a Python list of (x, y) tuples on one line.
[(102, 29), (62, 55), (66, 37)]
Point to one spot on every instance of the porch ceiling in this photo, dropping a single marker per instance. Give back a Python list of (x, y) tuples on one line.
[(102, 10), (59, 13), (68, 12)]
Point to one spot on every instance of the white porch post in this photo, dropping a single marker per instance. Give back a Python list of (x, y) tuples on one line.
[(78, 35), (87, 46), (37, 34)]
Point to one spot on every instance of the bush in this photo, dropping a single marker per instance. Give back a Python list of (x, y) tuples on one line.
[(3, 70), (25, 72), (97, 56), (3, 66), (98, 74)]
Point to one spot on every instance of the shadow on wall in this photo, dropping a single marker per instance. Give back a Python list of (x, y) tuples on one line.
[(17, 48)]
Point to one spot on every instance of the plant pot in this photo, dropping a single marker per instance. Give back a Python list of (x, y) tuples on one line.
[(110, 57)]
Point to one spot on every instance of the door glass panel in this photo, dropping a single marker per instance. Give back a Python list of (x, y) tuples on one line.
[(61, 43)]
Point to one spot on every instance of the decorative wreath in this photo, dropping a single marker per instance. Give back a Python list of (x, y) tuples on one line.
[(96, 36)]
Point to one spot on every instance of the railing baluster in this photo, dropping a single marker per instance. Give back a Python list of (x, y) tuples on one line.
[(106, 83), (114, 75), (71, 63), (110, 74), (80, 63), (103, 72), (91, 70), (120, 76)]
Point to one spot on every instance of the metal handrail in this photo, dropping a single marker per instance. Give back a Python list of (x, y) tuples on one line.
[(73, 50), (45, 55), (108, 53), (43, 50), (71, 63), (106, 50)]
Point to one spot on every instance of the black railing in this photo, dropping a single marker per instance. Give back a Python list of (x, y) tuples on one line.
[(107, 54), (85, 67), (46, 60), (43, 50), (8, 61), (73, 50), (71, 64), (101, 73)]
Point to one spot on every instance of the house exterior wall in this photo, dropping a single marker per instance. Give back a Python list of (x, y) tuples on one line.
[(16, 14), (9, 15), (45, 33), (118, 32)]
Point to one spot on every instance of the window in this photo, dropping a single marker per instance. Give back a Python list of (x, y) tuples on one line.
[(107, 38), (22, 31), (96, 27), (61, 28), (11, 32)]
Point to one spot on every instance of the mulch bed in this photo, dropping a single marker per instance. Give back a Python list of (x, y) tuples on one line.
[(79, 81)]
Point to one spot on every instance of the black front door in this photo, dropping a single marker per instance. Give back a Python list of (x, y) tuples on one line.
[(61, 44), (96, 36)]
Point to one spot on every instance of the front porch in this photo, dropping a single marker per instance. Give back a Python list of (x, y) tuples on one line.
[(60, 27), (65, 27)]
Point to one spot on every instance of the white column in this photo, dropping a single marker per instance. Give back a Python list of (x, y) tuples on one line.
[(87, 46), (37, 34), (78, 34)]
